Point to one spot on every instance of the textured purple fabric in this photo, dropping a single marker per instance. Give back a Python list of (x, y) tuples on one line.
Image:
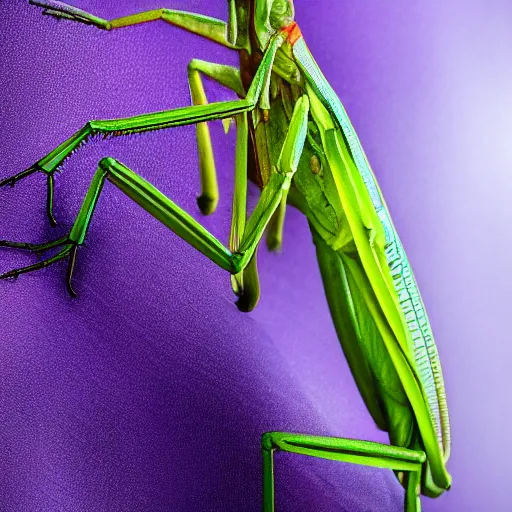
[(150, 391)]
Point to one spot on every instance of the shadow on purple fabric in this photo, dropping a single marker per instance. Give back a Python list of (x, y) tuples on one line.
[(151, 390)]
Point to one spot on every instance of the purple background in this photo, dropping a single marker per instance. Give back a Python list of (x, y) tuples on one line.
[(151, 391)]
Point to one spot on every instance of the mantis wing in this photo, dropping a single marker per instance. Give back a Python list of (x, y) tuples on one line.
[(382, 273), (362, 343)]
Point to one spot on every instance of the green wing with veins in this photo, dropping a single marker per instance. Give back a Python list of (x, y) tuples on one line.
[(382, 282)]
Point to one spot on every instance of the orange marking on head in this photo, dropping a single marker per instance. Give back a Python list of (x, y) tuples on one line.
[(292, 32)]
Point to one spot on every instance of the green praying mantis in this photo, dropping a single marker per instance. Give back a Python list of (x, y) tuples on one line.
[(295, 140)]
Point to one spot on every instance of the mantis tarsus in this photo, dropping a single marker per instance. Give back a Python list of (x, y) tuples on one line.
[(295, 141)]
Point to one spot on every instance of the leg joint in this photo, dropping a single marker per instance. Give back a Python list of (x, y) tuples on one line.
[(195, 65), (237, 263), (93, 127), (107, 163), (266, 442)]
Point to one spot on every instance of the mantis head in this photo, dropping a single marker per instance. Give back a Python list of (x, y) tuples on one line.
[(270, 16)]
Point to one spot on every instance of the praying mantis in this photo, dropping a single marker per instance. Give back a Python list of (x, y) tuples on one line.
[(295, 141)]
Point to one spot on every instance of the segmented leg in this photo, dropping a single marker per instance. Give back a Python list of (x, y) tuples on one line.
[(149, 122), (245, 284), (36, 248), (48, 165), (143, 123), (11, 181), (69, 249), (275, 228), (167, 212), (205, 26), (345, 450), (229, 77), (176, 219)]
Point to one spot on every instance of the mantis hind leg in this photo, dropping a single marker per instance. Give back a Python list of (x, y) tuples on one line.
[(344, 450)]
